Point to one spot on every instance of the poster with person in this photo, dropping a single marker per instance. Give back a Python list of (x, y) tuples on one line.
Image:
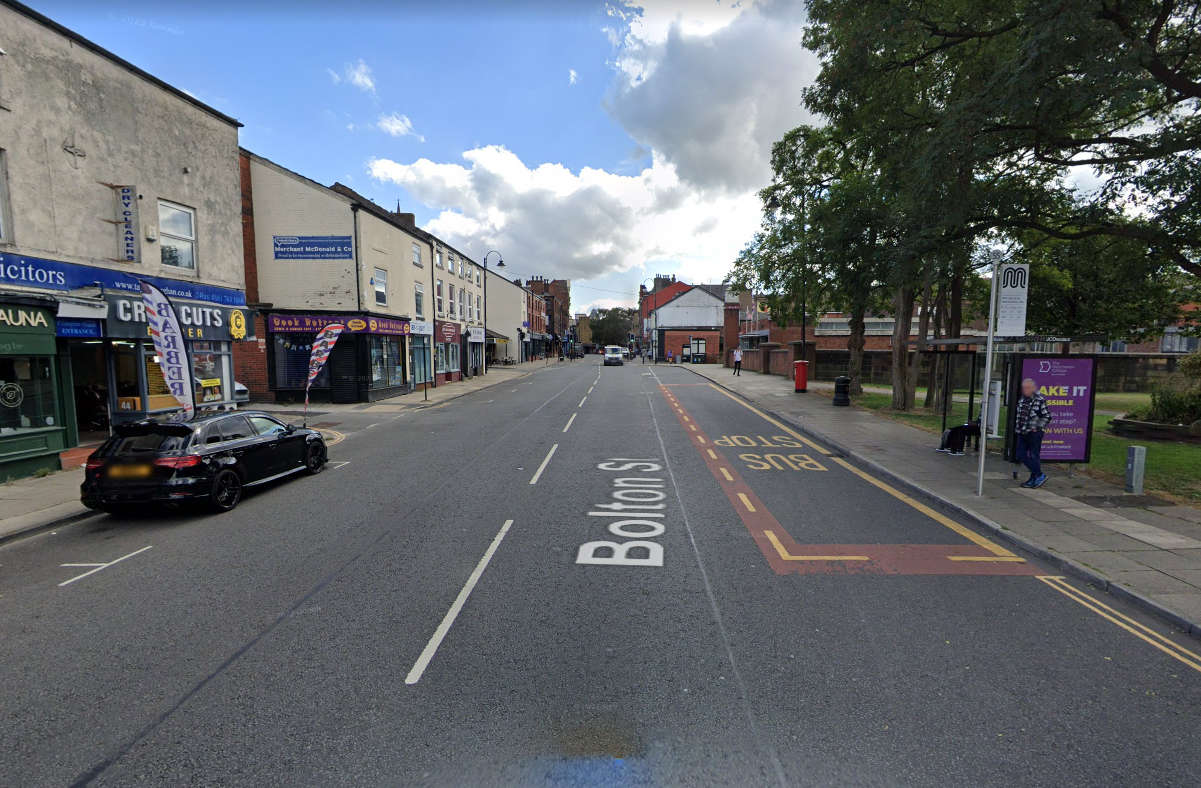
[(1068, 383)]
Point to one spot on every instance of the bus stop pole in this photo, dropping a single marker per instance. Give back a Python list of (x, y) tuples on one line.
[(982, 441)]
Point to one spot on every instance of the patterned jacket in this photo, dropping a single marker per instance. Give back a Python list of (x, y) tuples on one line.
[(1033, 414)]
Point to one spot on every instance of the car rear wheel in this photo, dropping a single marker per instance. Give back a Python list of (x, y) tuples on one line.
[(227, 491), (314, 458)]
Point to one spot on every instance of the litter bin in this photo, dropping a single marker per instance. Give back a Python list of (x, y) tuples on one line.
[(800, 376), (842, 390)]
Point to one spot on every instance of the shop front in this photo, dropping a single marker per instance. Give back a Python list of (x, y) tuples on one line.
[(32, 417), (369, 362), (121, 370), (475, 350), (421, 358), (447, 340)]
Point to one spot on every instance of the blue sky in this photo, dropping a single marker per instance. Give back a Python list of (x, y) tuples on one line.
[(600, 141)]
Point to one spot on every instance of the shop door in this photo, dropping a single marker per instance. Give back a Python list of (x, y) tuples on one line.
[(343, 372), (89, 371)]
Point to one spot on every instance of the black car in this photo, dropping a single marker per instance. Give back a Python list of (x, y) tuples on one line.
[(208, 460)]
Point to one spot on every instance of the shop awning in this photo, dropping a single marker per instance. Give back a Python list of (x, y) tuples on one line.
[(490, 334)]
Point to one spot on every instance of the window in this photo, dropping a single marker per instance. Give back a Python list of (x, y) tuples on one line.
[(479, 310), (290, 362), (211, 363), (447, 356), (265, 426), (177, 235), (31, 380), (437, 258), (417, 255), (387, 368), (477, 277), (418, 300), (450, 293), (450, 264), (438, 296), (380, 280), (462, 303), (235, 428)]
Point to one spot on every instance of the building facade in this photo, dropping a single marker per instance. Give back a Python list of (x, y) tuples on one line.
[(556, 295), (127, 178)]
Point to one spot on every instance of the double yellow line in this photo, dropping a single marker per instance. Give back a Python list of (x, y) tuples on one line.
[(1169, 647)]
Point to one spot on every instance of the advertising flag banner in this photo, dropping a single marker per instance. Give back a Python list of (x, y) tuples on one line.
[(322, 345), (169, 347)]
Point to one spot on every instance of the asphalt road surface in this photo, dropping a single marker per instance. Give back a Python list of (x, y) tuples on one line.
[(592, 576)]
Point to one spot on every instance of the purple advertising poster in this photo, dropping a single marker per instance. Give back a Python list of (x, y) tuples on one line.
[(1067, 385)]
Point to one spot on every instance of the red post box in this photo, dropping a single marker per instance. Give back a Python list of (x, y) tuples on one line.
[(800, 371)]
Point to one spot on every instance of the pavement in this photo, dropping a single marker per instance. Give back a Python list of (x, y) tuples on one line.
[(610, 576), (1140, 546)]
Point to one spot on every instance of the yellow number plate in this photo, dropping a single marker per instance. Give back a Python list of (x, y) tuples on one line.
[(129, 471)]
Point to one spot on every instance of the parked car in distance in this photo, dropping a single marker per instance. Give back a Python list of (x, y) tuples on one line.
[(209, 460), (613, 356), (625, 352)]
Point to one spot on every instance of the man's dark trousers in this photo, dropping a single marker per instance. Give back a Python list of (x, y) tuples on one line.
[(1028, 448), (737, 367)]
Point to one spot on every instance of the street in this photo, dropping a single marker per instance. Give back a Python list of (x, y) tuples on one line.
[(593, 575)]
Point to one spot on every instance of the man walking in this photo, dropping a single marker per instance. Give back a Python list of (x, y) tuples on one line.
[(738, 361), (1029, 424)]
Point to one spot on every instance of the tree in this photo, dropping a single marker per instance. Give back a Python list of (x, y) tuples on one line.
[(614, 326)]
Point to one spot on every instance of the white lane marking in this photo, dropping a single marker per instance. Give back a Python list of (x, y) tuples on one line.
[(545, 462), (448, 620), (590, 388), (569, 421), (582, 401), (100, 567), (333, 466)]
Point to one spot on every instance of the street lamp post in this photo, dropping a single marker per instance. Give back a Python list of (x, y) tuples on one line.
[(500, 263)]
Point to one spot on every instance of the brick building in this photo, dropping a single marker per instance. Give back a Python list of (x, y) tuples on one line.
[(556, 294)]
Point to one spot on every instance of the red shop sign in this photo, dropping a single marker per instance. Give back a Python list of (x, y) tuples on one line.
[(447, 332)]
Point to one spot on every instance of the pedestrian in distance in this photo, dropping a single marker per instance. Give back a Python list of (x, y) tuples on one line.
[(1030, 423), (738, 361)]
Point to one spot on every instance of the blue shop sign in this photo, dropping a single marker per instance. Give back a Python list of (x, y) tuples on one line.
[(24, 271), (312, 247), (81, 327)]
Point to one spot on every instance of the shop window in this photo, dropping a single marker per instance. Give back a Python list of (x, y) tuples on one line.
[(177, 235), (387, 369), (380, 282), (438, 296), (26, 393), (417, 256), (125, 370), (290, 362), (210, 366), (419, 300)]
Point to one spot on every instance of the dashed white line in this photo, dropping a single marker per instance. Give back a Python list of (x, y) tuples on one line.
[(582, 401), (569, 421), (100, 567), (448, 620), (545, 462)]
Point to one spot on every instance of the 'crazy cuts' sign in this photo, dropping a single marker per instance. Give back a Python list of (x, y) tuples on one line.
[(206, 322)]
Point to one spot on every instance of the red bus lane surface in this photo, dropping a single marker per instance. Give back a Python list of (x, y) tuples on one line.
[(791, 453)]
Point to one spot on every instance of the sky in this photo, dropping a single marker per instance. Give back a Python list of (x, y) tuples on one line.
[(604, 142)]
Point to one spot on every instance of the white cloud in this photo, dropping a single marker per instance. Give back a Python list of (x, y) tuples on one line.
[(398, 125), (712, 95), (359, 74), (334, 76), (705, 89), (584, 224), (572, 76)]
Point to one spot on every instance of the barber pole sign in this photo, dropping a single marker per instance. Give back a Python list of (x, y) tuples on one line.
[(322, 345), (169, 347)]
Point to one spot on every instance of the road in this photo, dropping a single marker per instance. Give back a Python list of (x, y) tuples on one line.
[(435, 609)]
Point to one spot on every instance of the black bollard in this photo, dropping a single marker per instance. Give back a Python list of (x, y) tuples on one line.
[(842, 390)]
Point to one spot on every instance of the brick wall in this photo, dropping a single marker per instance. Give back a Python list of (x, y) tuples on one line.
[(250, 363), (249, 253), (676, 341)]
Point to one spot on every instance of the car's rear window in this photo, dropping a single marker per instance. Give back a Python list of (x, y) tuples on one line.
[(148, 443)]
